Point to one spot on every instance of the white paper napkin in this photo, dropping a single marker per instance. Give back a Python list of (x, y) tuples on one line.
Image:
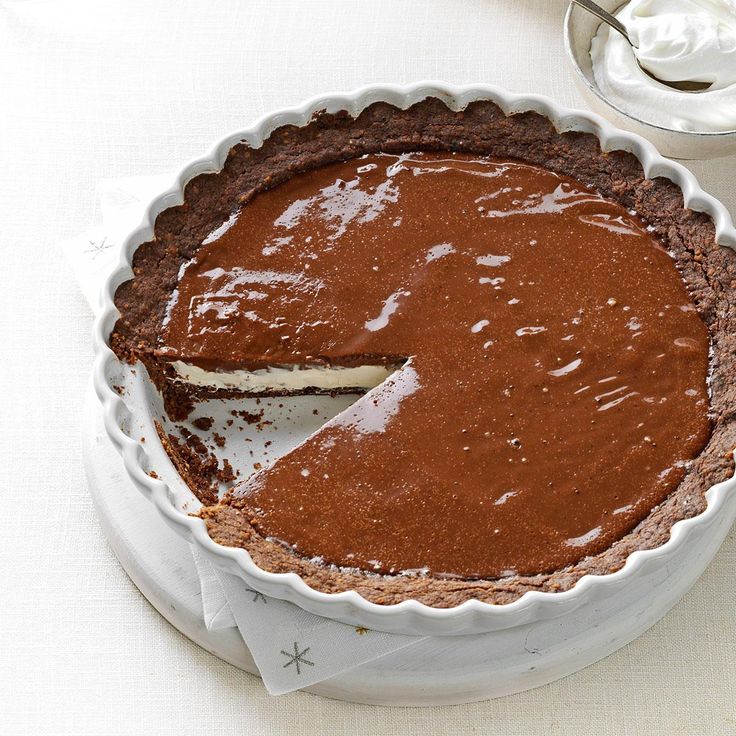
[(292, 648), (95, 252)]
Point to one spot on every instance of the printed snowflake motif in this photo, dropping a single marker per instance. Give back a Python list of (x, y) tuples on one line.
[(297, 658), (256, 595), (98, 247)]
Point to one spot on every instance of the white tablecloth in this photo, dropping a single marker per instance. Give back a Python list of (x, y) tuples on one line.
[(103, 89)]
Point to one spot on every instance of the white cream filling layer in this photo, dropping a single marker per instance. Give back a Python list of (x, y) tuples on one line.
[(285, 378)]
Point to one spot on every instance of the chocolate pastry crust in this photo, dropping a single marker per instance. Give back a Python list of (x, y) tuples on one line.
[(708, 270)]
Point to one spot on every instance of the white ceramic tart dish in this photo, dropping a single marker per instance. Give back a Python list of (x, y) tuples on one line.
[(131, 406), (580, 27)]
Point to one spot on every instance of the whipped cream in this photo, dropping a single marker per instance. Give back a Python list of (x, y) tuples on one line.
[(285, 378), (678, 40)]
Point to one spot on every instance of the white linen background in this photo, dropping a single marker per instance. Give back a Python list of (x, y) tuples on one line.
[(106, 89)]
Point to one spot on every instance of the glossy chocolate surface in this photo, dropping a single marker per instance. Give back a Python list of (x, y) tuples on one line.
[(553, 386)]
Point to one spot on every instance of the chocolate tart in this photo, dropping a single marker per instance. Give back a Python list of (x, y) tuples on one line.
[(546, 339)]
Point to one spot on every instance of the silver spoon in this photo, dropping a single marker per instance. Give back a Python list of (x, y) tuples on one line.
[(617, 25)]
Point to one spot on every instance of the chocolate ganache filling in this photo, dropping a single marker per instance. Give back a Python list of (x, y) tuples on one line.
[(548, 371)]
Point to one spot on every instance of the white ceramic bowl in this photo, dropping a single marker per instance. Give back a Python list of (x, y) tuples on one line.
[(129, 415), (580, 28)]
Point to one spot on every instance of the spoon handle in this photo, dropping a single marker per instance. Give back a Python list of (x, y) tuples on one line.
[(606, 17)]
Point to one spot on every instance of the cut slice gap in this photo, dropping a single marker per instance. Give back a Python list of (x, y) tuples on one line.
[(250, 432)]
